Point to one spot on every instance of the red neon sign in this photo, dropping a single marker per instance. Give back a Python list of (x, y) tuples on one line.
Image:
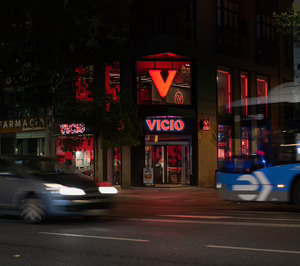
[(72, 128), (162, 87), (165, 125)]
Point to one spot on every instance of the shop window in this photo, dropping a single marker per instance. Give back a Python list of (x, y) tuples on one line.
[(245, 147), (85, 83), (81, 160), (224, 78), (164, 82), (262, 85), (112, 83), (117, 163), (224, 144), (244, 93)]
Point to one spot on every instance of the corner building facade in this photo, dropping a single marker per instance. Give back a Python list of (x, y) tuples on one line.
[(187, 65)]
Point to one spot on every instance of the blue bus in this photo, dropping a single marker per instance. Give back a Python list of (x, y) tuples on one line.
[(250, 179), (272, 178)]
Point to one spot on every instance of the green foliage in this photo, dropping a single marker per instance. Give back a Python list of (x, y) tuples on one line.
[(120, 126), (288, 23), (71, 144)]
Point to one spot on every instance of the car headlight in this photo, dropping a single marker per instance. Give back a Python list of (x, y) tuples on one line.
[(108, 190), (63, 190)]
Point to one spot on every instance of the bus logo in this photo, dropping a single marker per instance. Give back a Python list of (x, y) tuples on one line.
[(254, 181)]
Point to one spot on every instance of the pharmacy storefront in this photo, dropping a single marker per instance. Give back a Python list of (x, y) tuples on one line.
[(25, 136)]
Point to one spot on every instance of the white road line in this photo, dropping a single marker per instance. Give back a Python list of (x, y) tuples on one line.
[(261, 212), (256, 249), (230, 217), (97, 237), (216, 223), (197, 216)]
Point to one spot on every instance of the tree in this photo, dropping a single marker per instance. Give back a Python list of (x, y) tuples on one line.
[(46, 40), (288, 23)]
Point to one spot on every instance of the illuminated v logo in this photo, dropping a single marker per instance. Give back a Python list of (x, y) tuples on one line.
[(162, 87)]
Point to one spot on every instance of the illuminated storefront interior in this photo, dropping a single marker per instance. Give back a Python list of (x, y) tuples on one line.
[(81, 160), (170, 157), (168, 149), (163, 79)]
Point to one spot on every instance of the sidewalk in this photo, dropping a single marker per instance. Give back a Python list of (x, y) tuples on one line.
[(161, 192)]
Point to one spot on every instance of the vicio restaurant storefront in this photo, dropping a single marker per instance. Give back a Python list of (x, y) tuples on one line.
[(168, 152)]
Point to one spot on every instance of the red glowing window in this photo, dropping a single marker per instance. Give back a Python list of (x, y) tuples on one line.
[(245, 148), (244, 92), (225, 147), (164, 82), (262, 95), (81, 160), (85, 83), (224, 78), (112, 83)]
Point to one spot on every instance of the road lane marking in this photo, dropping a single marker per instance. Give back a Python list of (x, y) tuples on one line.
[(230, 217), (256, 249), (97, 237), (216, 223), (197, 216), (261, 212)]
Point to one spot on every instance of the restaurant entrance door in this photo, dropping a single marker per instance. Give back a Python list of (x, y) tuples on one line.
[(170, 158)]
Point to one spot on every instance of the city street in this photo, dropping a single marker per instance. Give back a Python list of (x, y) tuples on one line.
[(160, 227)]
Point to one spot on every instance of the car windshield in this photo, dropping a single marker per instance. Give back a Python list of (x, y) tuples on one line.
[(40, 166)]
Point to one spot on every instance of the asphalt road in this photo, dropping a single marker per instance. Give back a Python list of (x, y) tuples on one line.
[(160, 228)]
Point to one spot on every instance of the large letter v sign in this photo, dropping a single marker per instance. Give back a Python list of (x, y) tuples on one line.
[(162, 87)]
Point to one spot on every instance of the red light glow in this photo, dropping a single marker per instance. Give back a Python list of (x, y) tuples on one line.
[(72, 128), (165, 125), (83, 91)]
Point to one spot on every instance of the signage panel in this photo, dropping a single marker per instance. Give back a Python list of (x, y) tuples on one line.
[(72, 129), (168, 125), (148, 175), (22, 125)]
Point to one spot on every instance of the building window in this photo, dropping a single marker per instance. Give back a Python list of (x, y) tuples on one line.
[(224, 144), (112, 83), (245, 147), (262, 84), (265, 40), (244, 79), (85, 83), (228, 13), (224, 78), (164, 82)]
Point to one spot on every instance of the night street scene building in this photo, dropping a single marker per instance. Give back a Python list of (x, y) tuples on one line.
[(187, 65)]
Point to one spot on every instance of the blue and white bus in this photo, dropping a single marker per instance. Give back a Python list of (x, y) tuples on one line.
[(249, 179), (275, 178)]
